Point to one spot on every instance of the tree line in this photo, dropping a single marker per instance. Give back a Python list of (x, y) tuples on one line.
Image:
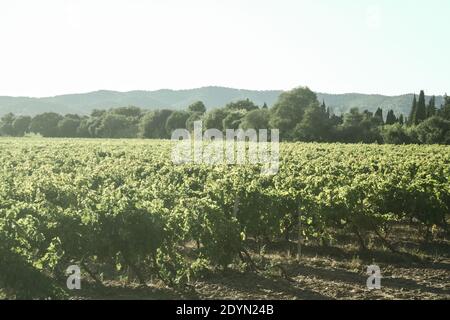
[(297, 114)]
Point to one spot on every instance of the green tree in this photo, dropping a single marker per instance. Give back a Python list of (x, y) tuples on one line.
[(256, 119), (72, 116), (395, 134), (83, 128), (94, 125), (350, 130), (116, 126), (153, 124), (233, 119), (412, 114), (434, 130), (241, 105), (21, 125), (431, 108), (195, 116), (98, 113), (46, 124), (390, 118), (370, 129), (379, 115), (177, 120), (68, 126), (214, 119), (315, 125), (323, 106), (288, 111), (353, 118), (6, 124), (334, 119), (444, 112), (198, 106), (421, 113), (359, 127), (131, 111)]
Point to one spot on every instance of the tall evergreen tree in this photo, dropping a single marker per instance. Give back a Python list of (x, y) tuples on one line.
[(431, 108), (421, 113), (323, 106), (379, 115), (265, 106), (401, 120), (412, 114), (390, 118), (444, 112)]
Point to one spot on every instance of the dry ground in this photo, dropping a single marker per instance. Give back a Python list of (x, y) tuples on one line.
[(418, 271)]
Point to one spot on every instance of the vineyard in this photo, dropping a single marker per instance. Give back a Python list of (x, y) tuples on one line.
[(120, 209)]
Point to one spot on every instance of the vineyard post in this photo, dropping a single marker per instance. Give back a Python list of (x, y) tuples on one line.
[(300, 236)]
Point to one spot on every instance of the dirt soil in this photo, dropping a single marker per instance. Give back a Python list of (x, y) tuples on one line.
[(334, 273)]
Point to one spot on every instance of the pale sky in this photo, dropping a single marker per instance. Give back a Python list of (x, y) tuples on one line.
[(51, 47)]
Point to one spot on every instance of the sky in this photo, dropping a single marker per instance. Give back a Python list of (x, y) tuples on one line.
[(51, 47)]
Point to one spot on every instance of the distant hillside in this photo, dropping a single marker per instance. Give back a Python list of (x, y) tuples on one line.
[(344, 102), (84, 103)]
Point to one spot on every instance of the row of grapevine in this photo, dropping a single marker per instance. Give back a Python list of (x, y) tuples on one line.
[(121, 207)]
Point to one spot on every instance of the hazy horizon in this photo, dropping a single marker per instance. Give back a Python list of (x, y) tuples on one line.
[(56, 47), (217, 86)]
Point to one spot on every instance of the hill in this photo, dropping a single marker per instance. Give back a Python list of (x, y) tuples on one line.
[(84, 103)]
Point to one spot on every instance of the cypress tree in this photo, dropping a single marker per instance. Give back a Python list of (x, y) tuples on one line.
[(444, 112), (379, 115), (323, 106), (390, 118), (431, 108), (412, 115), (400, 119), (421, 113)]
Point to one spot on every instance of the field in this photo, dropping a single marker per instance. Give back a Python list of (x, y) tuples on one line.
[(139, 226)]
